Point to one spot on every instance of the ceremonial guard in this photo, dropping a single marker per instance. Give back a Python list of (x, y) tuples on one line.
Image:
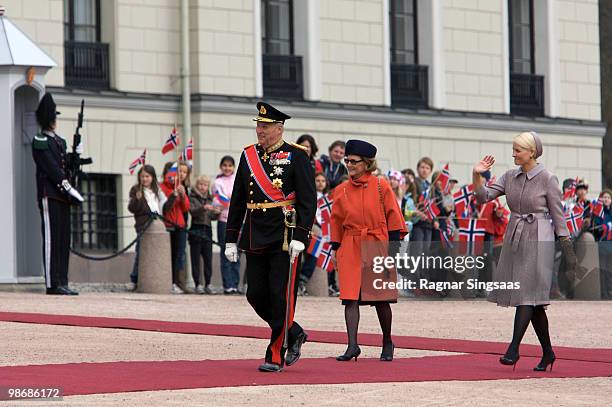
[(55, 195), (272, 209)]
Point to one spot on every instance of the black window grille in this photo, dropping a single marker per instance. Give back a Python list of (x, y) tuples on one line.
[(409, 81), (86, 59), (94, 223), (282, 70), (526, 88)]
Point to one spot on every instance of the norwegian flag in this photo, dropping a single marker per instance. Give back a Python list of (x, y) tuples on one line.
[(462, 198), (606, 232), (471, 231), (491, 181), (431, 209), (573, 219), (140, 160), (446, 236), (172, 142), (324, 205), (571, 191), (187, 154), (324, 258), (315, 246), (598, 208), (443, 178)]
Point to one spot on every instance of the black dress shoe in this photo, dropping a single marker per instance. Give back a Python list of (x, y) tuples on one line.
[(61, 290), (294, 352), (353, 351), (546, 360), (387, 352), (269, 367)]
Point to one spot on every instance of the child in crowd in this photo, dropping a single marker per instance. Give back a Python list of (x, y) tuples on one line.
[(176, 211), (145, 199), (222, 190), (200, 239)]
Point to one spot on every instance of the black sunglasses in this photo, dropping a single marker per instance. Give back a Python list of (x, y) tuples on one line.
[(352, 162)]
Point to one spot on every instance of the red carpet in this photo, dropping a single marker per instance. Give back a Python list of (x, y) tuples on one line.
[(405, 342), (115, 377)]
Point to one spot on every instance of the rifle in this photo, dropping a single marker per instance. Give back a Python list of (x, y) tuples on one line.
[(74, 158)]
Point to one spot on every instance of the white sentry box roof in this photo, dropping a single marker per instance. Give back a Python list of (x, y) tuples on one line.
[(17, 49)]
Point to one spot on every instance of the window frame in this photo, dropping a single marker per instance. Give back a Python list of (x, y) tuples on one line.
[(392, 24), (71, 25), (531, 38), (266, 34)]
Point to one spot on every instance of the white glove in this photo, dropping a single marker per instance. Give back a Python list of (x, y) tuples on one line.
[(231, 252), (72, 191), (295, 248)]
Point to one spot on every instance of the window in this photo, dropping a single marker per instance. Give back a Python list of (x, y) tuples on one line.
[(282, 71), (403, 32), (409, 81), (94, 223), (277, 27), (526, 88), (521, 36), (85, 57), (82, 20)]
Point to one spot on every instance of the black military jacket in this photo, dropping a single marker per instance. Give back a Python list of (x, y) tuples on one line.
[(49, 152), (264, 228)]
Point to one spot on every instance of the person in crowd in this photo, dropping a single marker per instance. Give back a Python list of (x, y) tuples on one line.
[(306, 140), (200, 239), (409, 203), (309, 261), (176, 212), (146, 198), (222, 190), (396, 181), (365, 209), (582, 189), (534, 198), (409, 176), (333, 168), (420, 236), (603, 233)]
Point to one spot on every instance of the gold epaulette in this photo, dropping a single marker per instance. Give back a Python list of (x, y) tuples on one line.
[(300, 147), (249, 145)]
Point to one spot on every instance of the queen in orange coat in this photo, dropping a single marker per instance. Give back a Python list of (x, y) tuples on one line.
[(365, 217)]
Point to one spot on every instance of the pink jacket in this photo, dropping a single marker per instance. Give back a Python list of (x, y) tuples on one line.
[(223, 186)]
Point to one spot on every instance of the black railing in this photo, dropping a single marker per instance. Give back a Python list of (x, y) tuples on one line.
[(282, 76), (526, 95), (86, 65), (409, 85), (94, 223)]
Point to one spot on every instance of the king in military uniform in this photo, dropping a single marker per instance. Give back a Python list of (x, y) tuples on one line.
[(272, 209), (55, 195)]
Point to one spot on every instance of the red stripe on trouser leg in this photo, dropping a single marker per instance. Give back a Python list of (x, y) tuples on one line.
[(278, 343)]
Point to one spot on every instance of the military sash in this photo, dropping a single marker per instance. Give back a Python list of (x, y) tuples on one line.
[(261, 177)]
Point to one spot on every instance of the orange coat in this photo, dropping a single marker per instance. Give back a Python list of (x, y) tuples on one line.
[(357, 218)]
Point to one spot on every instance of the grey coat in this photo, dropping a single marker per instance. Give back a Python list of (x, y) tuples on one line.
[(527, 253)]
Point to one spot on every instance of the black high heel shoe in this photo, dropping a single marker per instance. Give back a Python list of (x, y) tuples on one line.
[(509, 360), (544, 362), (387, 352), (351, 352)]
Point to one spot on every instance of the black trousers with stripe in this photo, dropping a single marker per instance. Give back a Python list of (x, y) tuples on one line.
[(267, 278), (56, 241)]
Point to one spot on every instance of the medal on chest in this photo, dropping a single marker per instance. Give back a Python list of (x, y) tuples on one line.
[(280, 158)]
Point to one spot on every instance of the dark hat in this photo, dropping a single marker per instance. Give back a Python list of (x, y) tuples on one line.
[(582, 184), (46, 113), (360, 148), (269, 114)]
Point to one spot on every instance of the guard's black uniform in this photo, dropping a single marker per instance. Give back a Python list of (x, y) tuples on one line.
[(262, 234), (49, 152)]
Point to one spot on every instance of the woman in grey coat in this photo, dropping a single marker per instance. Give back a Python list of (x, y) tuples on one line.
[(534, 198)]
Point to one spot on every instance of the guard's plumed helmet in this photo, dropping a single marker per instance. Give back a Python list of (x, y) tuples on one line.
[(46, 112)]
